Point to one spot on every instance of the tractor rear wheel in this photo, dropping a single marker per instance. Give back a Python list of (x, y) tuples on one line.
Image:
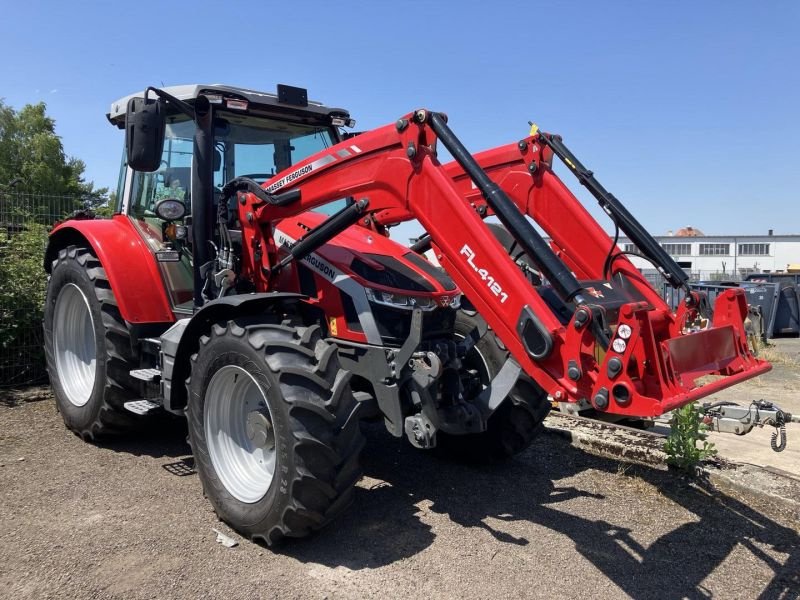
[(87, 345), (273, 428), (520, 417)]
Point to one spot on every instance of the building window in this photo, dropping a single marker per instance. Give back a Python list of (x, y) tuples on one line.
[(678, 249), (753, 249), (629, 248), (715, 249)]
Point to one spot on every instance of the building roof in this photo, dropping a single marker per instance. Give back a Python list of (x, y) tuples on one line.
[(689, 231), (788, 237)]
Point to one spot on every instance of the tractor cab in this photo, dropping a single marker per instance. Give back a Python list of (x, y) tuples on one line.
[(254, 135)]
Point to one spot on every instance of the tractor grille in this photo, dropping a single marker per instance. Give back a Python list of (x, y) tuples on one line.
[(394, 324)]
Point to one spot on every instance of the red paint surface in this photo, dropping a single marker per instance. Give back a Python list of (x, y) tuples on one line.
[(130, 266)]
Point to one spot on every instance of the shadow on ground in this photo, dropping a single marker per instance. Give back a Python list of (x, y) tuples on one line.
[(159, 437), (11, 397), (383, 526)]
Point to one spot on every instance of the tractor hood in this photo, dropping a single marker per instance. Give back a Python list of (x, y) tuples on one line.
[(372, 258)]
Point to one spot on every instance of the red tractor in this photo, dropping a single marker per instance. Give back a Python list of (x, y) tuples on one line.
[(247, 282)]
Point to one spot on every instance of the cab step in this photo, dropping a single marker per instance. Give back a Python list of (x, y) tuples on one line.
[(141, 407), (149, 375)]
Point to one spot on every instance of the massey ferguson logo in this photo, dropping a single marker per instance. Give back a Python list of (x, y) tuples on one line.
[(445, 301), (290, 178)]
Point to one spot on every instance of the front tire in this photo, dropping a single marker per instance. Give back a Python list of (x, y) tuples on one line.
[(273, 428), (520, 417), (87, 346)]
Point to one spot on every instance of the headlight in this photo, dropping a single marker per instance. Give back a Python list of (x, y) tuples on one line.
[(409, 302)]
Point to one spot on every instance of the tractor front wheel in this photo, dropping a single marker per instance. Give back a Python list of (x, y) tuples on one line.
[(273, 428)]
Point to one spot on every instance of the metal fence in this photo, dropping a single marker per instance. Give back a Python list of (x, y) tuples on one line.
[(25, 219), (711, 277)]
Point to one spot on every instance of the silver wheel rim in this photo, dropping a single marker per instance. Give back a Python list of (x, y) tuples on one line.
[(239, 432), (74, 344)]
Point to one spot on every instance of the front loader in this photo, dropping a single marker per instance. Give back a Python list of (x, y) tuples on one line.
[(247, 282)]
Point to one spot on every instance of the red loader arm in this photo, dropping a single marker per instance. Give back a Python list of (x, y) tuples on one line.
[(395, 169), (592, 255)]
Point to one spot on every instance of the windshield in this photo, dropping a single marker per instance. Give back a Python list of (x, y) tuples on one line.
[(259, 148)]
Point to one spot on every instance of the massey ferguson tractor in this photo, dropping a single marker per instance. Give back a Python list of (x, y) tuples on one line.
[(247, 282)]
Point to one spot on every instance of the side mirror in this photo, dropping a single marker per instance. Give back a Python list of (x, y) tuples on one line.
[(144, 133)]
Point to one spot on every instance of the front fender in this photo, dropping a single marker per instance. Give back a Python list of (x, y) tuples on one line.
[(129, 264), (182, 340)]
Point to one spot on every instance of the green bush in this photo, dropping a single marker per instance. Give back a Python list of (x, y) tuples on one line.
[(22, 291), (686, 430)]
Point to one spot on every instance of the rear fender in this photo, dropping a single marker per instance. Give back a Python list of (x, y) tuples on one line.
[(182, 340), (128, 262)]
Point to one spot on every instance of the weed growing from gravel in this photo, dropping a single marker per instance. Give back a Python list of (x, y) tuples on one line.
[(686, 432)]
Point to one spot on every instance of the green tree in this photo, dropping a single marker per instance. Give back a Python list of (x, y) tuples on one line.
[(31, 150)]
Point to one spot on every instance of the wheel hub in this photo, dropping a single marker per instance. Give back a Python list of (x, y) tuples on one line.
[(259, 430), (239, 433)]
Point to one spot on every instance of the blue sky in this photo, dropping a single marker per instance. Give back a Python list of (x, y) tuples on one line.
[(686, 110)]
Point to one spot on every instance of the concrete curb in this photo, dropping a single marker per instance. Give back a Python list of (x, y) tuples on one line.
[(607, 439), (632, 445), (757, 483)]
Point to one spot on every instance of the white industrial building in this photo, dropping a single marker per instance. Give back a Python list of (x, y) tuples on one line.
[(725, 257)]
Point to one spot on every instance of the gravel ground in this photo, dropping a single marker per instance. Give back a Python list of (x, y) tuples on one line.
[(128, 520)]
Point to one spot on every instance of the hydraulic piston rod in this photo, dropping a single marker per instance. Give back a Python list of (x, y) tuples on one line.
[(560, 277), (675, 275)]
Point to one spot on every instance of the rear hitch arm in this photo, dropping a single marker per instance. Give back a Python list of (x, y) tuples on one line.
[(728, 417)]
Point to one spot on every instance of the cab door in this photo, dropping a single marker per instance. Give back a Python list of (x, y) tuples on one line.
[(142, 192)]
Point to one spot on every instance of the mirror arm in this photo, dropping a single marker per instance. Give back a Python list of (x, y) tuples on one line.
[(180, 104)]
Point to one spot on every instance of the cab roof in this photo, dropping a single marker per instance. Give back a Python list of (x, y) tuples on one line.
[(191, 91)]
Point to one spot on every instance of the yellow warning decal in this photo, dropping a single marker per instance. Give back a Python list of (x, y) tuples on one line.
[(332, 326)]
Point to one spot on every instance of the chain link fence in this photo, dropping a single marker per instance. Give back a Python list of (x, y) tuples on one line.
[(25, 220)]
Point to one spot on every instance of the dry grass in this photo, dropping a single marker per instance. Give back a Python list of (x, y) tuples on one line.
[(770, 353)]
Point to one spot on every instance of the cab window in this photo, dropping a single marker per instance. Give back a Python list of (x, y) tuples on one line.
[(173, 177)]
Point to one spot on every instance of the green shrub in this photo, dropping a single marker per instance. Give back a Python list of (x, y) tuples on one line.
[(686, 430), (22, 290)]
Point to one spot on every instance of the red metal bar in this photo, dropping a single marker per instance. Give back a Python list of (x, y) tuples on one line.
[(396, 169)]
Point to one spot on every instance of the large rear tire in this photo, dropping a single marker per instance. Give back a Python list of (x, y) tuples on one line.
[(87, 345), (520, 417), (273, 427)]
